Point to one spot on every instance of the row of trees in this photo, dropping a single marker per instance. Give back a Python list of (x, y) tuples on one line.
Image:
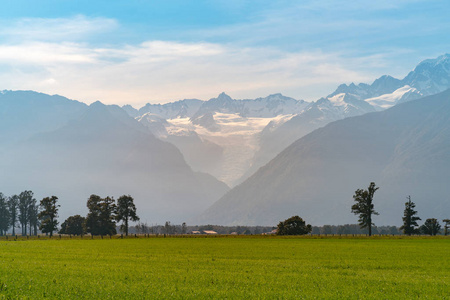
[(364, 207), (24, 211), (102, 216)]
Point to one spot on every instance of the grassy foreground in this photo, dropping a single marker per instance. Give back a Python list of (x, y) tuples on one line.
[(226, 267)]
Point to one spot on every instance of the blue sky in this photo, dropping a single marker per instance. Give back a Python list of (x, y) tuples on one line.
[(158, 51)]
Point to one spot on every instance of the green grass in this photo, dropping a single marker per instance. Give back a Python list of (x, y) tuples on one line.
[(225, 267)]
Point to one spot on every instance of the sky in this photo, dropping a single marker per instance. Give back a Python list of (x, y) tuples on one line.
[(136, 52)]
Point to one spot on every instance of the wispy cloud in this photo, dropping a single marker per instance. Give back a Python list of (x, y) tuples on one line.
[(56, 29), (162, 70)]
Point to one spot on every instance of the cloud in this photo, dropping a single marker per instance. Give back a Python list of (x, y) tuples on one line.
[(167, 70), (56, 29)]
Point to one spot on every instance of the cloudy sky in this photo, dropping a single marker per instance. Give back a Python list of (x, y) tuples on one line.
[(134, 51)]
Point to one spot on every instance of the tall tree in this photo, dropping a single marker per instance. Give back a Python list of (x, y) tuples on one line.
[(93, 217), (48, 215), (25, 200), (73, 225), (364, 206), (107, 216), (126, 211), (101, 218), (5, 216), (293, 226), (446, 226), (33, 219), (409, 218), (431, 226), (13, 204)]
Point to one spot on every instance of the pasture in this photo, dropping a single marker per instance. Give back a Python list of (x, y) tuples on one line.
[(226, 267)]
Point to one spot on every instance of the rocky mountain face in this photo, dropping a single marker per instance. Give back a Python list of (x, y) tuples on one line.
[(405, 150)]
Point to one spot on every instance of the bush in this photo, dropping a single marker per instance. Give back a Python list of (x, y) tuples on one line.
[(293, 226)]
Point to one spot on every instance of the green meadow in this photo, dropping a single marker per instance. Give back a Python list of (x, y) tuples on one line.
[(226, 267)]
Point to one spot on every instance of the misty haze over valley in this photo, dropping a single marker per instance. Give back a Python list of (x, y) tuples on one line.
[(239, 162)]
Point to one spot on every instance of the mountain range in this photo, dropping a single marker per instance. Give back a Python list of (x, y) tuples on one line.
[(178, 158), (274, 122), (405, 150)]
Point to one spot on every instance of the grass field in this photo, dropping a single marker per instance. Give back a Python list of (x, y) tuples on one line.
[(226, 267)]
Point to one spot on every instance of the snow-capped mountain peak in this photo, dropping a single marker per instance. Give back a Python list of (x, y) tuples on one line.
[(431, 76)]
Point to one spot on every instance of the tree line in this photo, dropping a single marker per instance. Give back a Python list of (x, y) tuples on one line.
[(22, 210), (364, 208)]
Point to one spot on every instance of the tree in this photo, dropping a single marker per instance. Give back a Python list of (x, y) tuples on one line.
[(48, 214), (446, 226), (5, 216), (364, 206), (409, 218), (25, 200), (293, 226), (326, 229), (73, 225), (431, 226), (93, 217), (13, 204), (126, 211), (169, 228), (100, 219), (33, 216)]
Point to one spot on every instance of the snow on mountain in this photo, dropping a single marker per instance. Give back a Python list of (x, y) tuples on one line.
[(405, 150), (403, 94), (431, 76), (223, 130), (383, 85), (183, 108), (155, 123), (268, 107), (341, 105), (277, 136), (237, 139)]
